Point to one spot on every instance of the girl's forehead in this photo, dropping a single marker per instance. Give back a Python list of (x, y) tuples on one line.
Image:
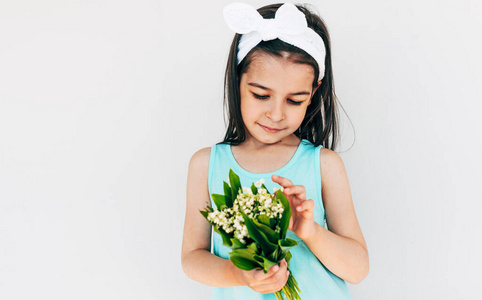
[(281, 70)]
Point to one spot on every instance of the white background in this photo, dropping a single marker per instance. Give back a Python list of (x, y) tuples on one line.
[(102, 104)]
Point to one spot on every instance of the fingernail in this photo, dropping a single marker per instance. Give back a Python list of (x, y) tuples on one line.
[(298, 208), (275, 268), (287, 273), (287, 190)]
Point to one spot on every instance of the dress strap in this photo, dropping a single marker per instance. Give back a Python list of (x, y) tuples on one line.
[(212, 159)]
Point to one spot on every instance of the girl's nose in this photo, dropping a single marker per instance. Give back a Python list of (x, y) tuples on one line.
[(275, 112)]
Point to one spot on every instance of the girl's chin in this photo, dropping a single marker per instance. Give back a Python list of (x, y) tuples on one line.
[(269, 138)]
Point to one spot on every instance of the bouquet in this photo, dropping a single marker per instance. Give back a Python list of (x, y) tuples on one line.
[(253, 223)]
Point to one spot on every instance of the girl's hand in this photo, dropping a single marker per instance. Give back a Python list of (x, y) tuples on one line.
[(302, 211), (260, 282)]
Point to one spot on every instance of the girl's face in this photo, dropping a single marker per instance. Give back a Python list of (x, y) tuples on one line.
[(275, 94)]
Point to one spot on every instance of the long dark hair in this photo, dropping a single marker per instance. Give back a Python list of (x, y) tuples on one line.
[(321, 119)]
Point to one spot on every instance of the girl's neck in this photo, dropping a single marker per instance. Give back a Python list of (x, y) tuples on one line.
[(257, 157), (254, 145)]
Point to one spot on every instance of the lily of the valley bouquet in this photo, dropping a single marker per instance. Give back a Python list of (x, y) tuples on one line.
[(253, 223)]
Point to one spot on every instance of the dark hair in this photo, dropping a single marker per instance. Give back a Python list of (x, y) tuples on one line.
[(321, 119)]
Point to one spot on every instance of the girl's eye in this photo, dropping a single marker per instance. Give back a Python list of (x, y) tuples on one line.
[(263, 97), (260, 96), (295, 102)]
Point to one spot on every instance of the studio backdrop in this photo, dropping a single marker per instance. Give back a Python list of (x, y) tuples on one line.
[(103, 103)]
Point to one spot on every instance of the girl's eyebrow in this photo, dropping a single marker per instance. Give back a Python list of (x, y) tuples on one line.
[(268, 89)]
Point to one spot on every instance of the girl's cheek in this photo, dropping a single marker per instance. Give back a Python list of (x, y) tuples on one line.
[(253, 105)]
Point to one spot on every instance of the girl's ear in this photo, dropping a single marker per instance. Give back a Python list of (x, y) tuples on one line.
[(314, 90), (319, 84)]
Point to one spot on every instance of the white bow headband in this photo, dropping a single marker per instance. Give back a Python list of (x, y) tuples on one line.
[(289, 25)]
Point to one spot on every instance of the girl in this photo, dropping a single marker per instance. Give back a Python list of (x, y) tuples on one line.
[(281, 111)]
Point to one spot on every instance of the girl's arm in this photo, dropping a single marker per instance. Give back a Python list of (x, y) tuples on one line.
[(342, 248), (197, 261)]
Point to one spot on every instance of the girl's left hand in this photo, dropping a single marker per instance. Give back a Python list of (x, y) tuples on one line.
[(302, 221)]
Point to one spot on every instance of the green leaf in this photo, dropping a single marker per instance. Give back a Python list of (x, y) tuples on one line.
[(228, 194), (267, 264), (260, 260), (288, 257), (266, 246), (244, 259), (264, 187), (272, 235), (254, 189), (283, 255), (275, 256), (204, 213), (264, 219), (285, 219), (219, 200), (253, 247), (236, 244), (235, 184), (287, 244), (224, 235)]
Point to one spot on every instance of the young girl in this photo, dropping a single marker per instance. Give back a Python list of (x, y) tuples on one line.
[(281, 109)]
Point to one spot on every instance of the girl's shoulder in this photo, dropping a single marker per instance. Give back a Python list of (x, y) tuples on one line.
[(328, 154), (200, 160), (331, 164), (198, 174)]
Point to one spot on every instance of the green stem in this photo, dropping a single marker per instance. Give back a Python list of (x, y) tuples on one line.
[(278, 295)]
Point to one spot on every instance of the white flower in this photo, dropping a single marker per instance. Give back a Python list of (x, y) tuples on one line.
[(247, 190), (231, 219)]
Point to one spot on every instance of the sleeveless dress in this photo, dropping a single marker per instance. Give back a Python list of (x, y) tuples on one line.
[(314, 279)]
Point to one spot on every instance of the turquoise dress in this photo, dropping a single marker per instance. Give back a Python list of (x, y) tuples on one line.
[(314, 279)]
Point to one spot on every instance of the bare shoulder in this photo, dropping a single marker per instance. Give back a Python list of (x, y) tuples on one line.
[(331, 165), (201, 156), (199, 164), (200, 159), (197, 179), (328, 153)]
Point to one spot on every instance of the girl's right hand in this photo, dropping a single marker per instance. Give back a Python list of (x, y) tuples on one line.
[(260, 282)]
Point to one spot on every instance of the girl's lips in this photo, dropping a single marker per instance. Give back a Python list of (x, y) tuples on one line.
[(268, 129)]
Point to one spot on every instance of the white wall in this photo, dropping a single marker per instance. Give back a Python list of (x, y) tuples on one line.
[(102, 103)]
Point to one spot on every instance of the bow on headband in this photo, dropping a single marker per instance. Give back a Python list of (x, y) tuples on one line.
[(289, 25)]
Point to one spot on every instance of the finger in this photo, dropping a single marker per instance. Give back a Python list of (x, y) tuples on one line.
[(277, 281), (297, 190), (263, 278), (306, 206), (283, 267), (274, 287), (284, 182), (260, 276)]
